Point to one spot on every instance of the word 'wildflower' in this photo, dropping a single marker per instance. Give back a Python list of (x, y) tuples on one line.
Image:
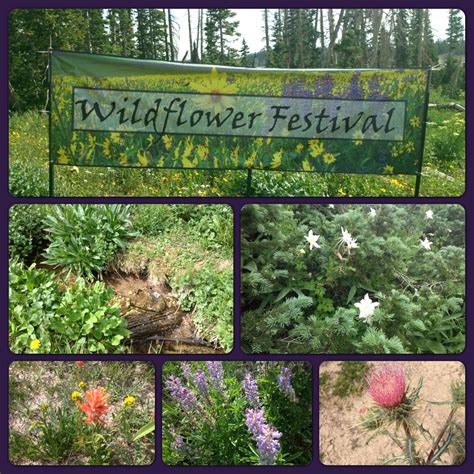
[(387, 385), (366, 308), (250, 387), (95, 406), (312, 239), (284, 382), (265, 435)]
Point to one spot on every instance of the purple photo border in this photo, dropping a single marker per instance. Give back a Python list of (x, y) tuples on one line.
[(467, 200)]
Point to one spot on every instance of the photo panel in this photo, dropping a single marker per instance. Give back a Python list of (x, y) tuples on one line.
[(256, 413), (392, 413), (114, 278), (81, 413), (353, 278), (283, 102)]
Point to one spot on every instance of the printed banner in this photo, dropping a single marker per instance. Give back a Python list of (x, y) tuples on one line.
[(112, 111)]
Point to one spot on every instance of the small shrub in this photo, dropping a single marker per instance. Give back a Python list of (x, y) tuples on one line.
[(84, 239), (27, 236)]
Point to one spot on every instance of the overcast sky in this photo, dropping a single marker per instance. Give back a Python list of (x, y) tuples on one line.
[(251, 24)]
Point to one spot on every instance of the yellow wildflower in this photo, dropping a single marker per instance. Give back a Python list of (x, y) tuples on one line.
[(143, 157), (167, 141), (316, 148), (410, 146), (129, 401), (123, 159), (106, 147), (415, 121), (329, 158), (115, 137), (82, 385), (388, 169), (299, 148), (62, 156), (276, 162), (35, 344), (76, 395), (44, 406)]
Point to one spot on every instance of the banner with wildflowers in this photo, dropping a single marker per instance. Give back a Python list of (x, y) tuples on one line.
[(113, 111)]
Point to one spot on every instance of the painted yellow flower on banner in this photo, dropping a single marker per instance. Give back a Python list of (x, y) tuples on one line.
[(214, 87)]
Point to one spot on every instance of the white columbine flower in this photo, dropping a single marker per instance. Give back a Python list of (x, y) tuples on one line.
[(352, 244), (331, 206), (346, 236), (366, 308), (312, 239), (372, 212), (429, 214), (426, 244)]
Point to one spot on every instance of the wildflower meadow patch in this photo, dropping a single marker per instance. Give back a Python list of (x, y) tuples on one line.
[(234, 413), (88, 413), (353, 279)]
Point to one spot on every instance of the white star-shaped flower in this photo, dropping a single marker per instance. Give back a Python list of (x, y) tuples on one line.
[(429, 214), (426, 244), (366, 308), (331, 206), (346, 236), (372, 212), (312, 239), (352, 244)]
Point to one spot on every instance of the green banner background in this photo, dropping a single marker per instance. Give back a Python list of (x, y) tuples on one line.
[(213, 89)]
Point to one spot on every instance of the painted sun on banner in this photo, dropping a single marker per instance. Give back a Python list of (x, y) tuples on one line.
[(112, 111)]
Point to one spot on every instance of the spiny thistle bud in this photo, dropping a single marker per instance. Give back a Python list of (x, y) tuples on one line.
[(387, 385)]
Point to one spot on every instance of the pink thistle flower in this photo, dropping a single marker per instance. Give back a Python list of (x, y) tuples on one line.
[(387, 385)]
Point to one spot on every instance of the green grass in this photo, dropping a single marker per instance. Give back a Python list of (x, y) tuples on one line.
[(443, 172)]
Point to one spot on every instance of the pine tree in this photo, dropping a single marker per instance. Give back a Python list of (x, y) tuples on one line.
[(429, 50), (400, 38), (245, 60), (415, 38), (96, 34), (221, 31), (455, 31)]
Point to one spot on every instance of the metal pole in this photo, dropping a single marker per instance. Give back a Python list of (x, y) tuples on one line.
[(51, 161), (417, 184), (248, 191)]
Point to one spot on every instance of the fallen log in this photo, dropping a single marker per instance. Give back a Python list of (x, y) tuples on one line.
[(451, 105), (145, 324)]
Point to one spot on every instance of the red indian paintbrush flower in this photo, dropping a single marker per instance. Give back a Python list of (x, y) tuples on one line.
[(387, 385), (80, 363), (95, 406)]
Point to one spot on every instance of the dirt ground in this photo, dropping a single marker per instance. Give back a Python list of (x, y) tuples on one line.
[(343, 443)]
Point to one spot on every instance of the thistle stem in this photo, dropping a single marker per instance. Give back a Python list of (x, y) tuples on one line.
[(441, 434)]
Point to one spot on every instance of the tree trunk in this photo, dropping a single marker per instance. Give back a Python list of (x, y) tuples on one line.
[(170, 29), (190, 35), (267, 33), (167, 45)]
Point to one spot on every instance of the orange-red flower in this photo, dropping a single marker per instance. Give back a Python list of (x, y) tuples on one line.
[(80, 363), (95, 406)]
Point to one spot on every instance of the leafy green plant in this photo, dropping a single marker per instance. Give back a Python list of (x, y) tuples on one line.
[(84, 238), (46, 318)]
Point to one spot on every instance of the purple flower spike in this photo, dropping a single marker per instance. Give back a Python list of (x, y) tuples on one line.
[(180, 394), (264, 434), (200, 381), (216, 374), (284, 381), (250, 387)]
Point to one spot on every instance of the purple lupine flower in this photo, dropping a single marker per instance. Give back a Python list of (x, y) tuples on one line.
[(200, 381), (216, 374), (265, 435), (249, 384), (284, 381), (186, 370), (178, 444), (180, 394)]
